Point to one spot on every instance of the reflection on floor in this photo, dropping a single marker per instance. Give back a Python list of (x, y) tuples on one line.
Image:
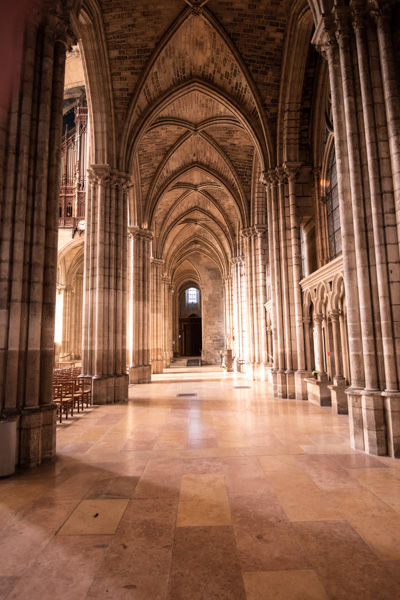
[(196, 489)]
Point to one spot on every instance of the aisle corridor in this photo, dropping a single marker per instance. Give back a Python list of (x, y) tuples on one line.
[(203, 487)]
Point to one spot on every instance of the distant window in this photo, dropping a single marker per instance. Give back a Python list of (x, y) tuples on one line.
[(192, 296), (332, 207)]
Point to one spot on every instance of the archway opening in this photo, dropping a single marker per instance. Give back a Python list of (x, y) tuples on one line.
[(190, 324)]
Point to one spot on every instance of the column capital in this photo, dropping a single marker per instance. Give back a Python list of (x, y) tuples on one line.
[(227, 278), (237, 260), (159, 262), (318, 318), (254, 231), (292, 169), (139, 233), (57, 23), (166, 279), (100, 174), (358, 15), (122, 180), (306, 319), (334, 315), (380, 11), (324, 38), (280, 175), (342, 15)]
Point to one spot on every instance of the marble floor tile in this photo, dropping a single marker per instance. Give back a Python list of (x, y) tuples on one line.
[(269, 492), (346, 566), (203, 501), (137, 563), (95, 517), (284, 585), (65, 569), (205, 565)]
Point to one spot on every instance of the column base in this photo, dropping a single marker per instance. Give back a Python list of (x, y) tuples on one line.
[(281, 384), (318, 392), (110, 389), (339, 397), (355, 418), (157, 366), (121, 383), (140, 374), (239, 365), (37, 436), (373, 414), (290, 384), (301, 385), (392, 411)]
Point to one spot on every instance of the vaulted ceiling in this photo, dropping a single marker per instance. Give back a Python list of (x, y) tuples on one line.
[(195, 94)]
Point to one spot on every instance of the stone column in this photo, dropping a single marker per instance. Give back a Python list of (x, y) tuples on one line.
[(261, 265), (156, 297), (30, 147), (292, 170), (237, 311), (289, 372), (326, 42), (140, 369), (66, 323), (380, 98), (268, 179), (279, 376), (339, 398), (251, 339), (309, 361), (166, 321), (105, 276)]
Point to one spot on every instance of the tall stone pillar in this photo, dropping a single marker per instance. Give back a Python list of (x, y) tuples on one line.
[(365, 100), (105, 289), (268, 179), (326, 42), (252, 340), (140, 369), (30, 146), (156, 332), (66, 322), (166, 305), (292, 170)]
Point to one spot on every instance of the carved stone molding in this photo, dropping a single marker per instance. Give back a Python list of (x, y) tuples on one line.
[(292, 169), (138, 233)]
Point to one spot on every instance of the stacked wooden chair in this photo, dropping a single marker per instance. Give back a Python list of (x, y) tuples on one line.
[(71, 391)]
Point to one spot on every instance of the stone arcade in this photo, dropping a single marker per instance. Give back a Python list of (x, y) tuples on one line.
[(250, 152)]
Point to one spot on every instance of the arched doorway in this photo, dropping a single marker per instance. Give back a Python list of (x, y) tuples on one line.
[(190, 329)]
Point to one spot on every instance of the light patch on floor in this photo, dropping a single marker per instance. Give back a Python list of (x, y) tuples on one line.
[(94, 517)]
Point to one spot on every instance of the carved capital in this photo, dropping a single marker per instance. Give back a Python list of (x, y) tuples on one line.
[(334, 315), (324, 38), (358, 16), (122, 180), (100, 175), (158, 262), (292, 169), (280, 175), (237, 260), (343, 25), (141, 234), (380, 12), (318, 318)]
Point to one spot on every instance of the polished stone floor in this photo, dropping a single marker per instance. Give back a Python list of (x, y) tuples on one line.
[(203, 487)]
